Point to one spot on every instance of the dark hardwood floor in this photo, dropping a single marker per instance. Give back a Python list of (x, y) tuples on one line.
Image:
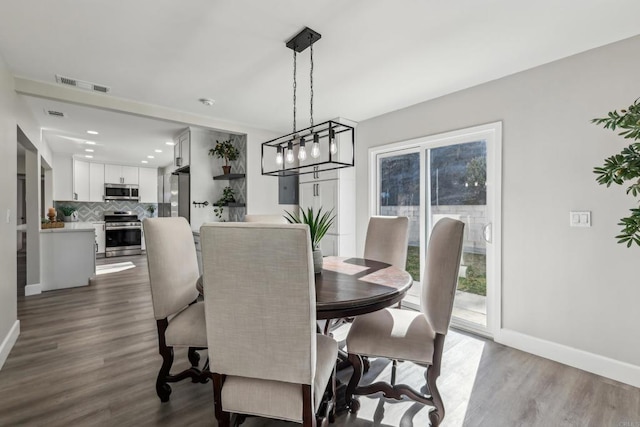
[(88, 357)]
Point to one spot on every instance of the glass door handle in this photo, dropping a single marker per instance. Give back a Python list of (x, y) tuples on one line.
[(487, 232)]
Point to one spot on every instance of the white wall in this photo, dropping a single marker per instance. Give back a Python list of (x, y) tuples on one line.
[(570, 286), (8, 155)]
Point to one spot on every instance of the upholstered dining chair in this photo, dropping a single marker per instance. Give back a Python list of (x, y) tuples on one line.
[(387, 240), (259, 292), (173, 272), (266, 218), (417, 337)]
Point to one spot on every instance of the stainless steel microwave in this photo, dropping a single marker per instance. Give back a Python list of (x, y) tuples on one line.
[(121, 192)]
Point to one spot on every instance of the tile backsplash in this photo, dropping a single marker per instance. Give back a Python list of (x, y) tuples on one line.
[(94, 211)]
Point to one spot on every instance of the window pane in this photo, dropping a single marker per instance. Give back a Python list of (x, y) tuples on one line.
[(400, 196)]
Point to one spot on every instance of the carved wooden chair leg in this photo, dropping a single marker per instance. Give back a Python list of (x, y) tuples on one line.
[(224, 418), (162, 388), (194, 357), (436, 415), (351, 401)]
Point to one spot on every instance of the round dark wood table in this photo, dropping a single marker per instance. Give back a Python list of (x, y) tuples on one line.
[(349, 287)]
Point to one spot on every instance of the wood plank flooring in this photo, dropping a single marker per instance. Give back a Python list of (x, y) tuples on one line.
[(88, 357)]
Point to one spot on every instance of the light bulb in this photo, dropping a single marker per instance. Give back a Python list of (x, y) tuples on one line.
[(315, 148), (333, 147), (279, 156), (290, 152), (302, 151)]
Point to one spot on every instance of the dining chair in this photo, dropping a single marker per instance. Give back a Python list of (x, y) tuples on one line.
[(387, 240), (414, 336), (173, 271), (265, 219), (259, 292)]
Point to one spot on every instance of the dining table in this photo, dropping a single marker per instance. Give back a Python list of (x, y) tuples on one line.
[(348, 287)]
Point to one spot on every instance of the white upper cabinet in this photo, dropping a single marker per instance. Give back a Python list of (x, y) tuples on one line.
[(80, 181), (148, 185), (117, 174), (96, 182)]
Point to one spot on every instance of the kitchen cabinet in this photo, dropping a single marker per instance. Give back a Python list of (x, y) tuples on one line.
[(182, 150), (80, 181), (117, 174), (96, 182), (100, 237), (321, 194), (148, 185)]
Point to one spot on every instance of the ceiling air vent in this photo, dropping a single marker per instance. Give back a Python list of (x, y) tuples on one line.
[(54, 113), (82, 84)]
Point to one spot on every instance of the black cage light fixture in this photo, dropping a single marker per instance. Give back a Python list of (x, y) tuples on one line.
[(319, 147)]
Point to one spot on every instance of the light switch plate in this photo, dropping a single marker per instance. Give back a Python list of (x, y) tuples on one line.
[(580, 218)]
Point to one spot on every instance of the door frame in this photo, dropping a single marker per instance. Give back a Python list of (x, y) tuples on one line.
[(492, 133)]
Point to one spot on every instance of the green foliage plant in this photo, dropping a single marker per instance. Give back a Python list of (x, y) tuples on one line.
[(319, 223), (624, 166), (67, 210), (225, 150), (228, 196)]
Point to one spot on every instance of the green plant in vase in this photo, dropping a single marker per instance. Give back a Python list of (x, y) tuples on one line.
[(624, 166), (151, 209), (227, 151), (319, 223), (228, 196)]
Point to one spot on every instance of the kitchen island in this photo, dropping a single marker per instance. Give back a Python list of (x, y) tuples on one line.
[(67, 256)]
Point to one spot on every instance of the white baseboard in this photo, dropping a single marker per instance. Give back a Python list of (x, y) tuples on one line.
[(590, 362), (8, 342), (34, 289)]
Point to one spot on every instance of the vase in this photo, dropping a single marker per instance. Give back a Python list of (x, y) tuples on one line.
[(226, 169), (317, 261)]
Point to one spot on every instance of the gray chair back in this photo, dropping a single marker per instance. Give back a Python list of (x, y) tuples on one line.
[(266, 219), (172, 264), (387, 240), (259, 292), (441, 273)]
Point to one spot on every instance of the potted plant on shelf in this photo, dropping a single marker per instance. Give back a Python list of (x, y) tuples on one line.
[(228, 196), (624, 166), (319, 223), (70, 213), (227, 151)]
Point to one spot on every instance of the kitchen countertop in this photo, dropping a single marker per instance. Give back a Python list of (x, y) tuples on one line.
[(71, 227)]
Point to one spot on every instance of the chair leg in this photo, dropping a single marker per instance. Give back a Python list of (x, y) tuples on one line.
[(162, 388), (308, 414), (436, 415), (224, 418), (352, 402), (194, 357)]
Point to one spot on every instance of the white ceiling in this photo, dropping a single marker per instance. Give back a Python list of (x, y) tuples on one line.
[(375, 56)]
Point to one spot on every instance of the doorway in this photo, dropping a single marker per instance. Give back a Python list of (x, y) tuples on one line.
[(454, 175)]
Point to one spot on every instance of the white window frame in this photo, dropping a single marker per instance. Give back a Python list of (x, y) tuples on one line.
[(492, 133)]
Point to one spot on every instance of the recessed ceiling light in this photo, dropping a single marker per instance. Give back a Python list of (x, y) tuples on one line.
[(144, 161), (92, 132), (170, 143), (90, 142), (158, 151), (150, 157), (89, 157), (89, 150), (207, 101)]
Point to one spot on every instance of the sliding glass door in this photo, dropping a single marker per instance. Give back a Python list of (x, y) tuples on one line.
[(454, 175)]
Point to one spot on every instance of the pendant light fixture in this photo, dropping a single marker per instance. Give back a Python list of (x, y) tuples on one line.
[(332, 142)]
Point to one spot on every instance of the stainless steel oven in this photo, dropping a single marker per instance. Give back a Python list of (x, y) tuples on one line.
[(123, 233)]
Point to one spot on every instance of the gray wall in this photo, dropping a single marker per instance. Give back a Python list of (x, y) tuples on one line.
[(572, 286), (8, 197)]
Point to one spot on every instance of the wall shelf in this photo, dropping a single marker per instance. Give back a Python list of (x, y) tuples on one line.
[(231, 205), (229, 176)]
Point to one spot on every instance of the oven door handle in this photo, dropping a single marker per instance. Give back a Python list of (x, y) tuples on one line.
[(123, 228)]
